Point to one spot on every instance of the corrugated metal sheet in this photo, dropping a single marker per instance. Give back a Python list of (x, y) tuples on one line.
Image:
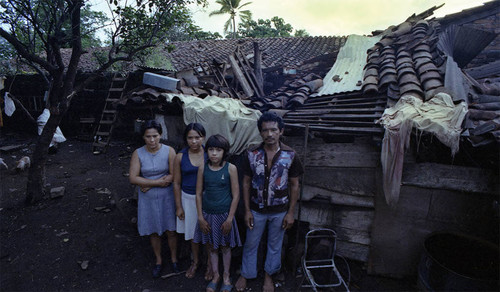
[(346, 74)]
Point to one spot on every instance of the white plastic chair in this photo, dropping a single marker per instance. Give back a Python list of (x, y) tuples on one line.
[(318, 261)]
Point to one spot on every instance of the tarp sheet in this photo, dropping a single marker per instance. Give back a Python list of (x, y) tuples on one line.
[(439, 116), (225, 116), (42, 120)]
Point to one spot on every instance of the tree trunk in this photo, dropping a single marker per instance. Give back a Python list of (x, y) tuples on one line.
[(234, 27), (36, 176)]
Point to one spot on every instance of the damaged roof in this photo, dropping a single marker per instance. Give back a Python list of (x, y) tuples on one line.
[(283, 52), (415, 57)]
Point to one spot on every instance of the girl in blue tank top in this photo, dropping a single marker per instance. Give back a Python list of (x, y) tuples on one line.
[(217, 196)]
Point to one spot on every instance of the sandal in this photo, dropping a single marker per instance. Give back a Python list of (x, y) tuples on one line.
[(212, 286), (175, 268), (156, 271), (226, 288), (192, 270)]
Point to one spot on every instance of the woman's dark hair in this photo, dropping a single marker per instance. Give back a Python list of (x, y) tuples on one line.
[(151, 124), (218, 141), (198, 128), (270, 117)]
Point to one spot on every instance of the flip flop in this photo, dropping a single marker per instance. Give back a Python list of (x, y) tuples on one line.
[(212, 285), (227, 288)]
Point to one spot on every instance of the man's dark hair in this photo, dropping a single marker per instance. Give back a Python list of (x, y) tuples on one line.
[(218, 141), (151, 124), (270, 117), (198, 128)]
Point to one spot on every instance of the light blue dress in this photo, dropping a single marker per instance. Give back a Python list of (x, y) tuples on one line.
[(156, 207)]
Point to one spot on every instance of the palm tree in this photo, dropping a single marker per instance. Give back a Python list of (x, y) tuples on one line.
[(233, 8)]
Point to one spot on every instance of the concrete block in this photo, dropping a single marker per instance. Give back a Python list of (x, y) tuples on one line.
[(57, 192), (160, 81)]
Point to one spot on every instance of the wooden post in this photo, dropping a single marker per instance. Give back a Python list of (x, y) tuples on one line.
[(257, 61), (299, 201)]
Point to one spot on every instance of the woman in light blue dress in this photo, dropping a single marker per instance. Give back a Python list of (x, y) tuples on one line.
[(150, 169)]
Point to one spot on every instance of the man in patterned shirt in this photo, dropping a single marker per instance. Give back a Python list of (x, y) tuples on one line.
[(270, 192)]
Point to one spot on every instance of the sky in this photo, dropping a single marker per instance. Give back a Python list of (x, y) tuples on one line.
[(333, 17)]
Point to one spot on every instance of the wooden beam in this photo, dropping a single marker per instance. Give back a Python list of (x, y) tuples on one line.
[(329, 122), (450, 177), (340, 116), (346, 130), (299, 112), (240, 76), (342, 104), (337, 198), (248, 72)]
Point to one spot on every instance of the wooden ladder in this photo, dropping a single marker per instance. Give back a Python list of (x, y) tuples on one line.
[(109, 114)]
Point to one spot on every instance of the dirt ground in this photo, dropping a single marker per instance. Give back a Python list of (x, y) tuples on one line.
[(87, 239)]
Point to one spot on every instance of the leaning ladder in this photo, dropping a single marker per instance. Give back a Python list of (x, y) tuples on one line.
[(109, 114)]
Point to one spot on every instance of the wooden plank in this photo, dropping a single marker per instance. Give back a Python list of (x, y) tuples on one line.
[(329, 122), (354, 181), (354, 251), (323, 110), (352, 242), (257, 60), (10, 148), (338, 154), (248, 72), (320, 214), (251, 73), (353, 218), (240, 76), (340, 105), (353, 235), (343, 116), (314, 102), (311, 192), (346, 130), (450, 177)]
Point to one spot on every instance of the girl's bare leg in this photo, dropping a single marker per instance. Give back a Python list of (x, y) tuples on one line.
[(226, 261)]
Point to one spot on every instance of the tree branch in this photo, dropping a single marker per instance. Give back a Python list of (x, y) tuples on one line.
[(24, 52)]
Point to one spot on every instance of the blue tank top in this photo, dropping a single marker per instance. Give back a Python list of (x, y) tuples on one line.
[(217, 186), (189, 173)]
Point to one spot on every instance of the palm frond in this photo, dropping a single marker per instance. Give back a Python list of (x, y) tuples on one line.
[(246, 15), (228, 25), (244, 4)]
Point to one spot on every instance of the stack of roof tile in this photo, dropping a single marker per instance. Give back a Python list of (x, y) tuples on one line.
[(294, 93), (404, 61)]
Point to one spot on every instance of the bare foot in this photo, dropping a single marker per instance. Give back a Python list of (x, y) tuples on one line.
[(192, 270), (241, 284), (209, 274), (268, 284)]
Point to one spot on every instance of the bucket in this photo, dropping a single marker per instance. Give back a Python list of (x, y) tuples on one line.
[(458, 262)]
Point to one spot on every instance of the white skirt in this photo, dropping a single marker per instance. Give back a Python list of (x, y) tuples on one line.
[(188, 225)]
